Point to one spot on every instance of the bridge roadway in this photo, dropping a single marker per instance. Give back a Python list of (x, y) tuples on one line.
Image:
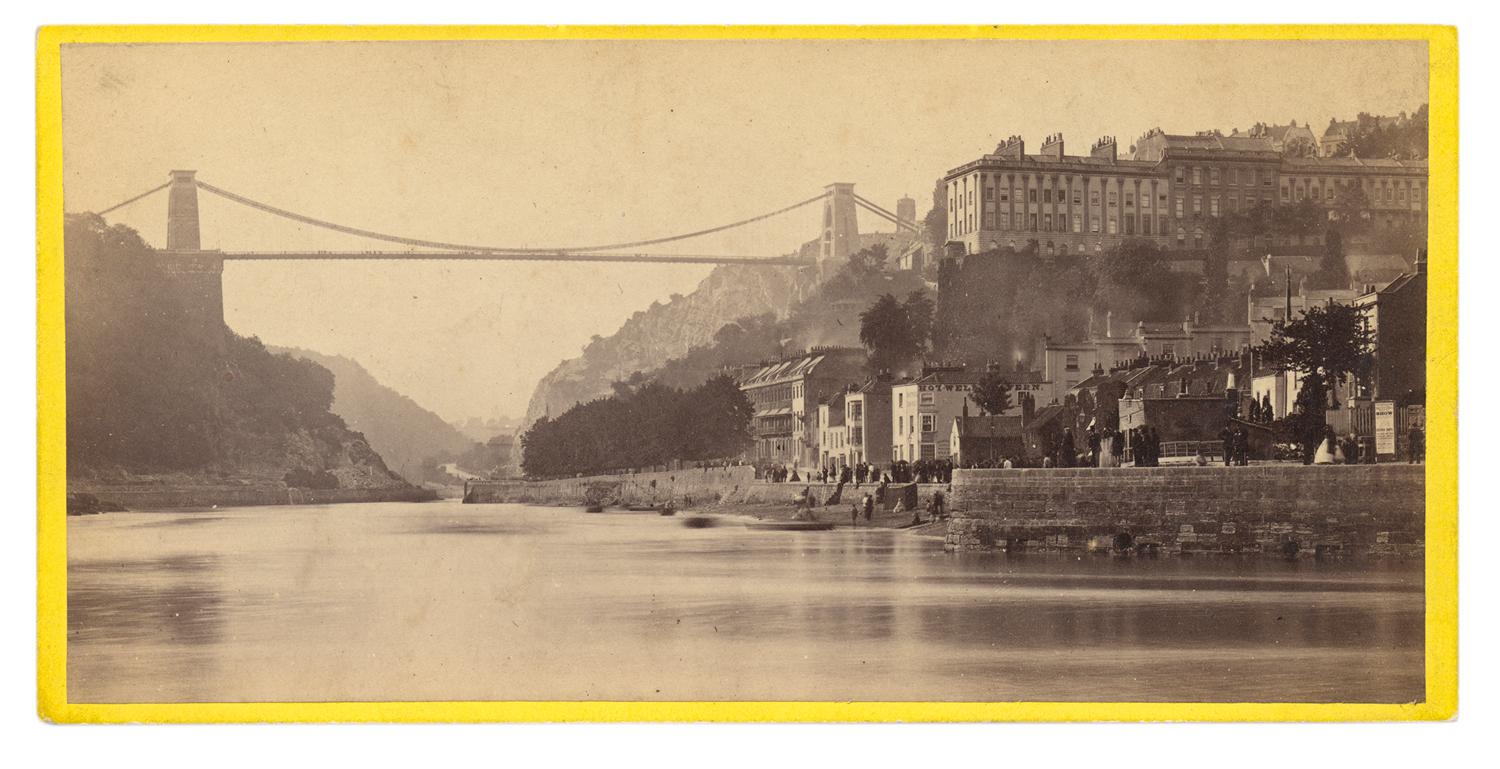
[(561, 256)]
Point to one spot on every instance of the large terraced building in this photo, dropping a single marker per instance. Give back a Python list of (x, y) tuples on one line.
[(1166, 191)]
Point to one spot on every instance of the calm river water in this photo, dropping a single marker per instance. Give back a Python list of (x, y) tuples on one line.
[(442, 601)]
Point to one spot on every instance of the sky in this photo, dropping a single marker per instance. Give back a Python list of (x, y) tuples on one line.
[(560, 143)]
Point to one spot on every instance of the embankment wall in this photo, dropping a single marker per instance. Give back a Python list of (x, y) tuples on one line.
[(1282, 508), (684, 487)]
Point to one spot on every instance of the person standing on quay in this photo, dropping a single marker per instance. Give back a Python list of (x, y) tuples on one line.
[(1226, 437), (869, 503), (1416, 445)]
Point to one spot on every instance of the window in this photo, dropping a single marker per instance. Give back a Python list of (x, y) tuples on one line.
[(1077, 223), (900, 425), (1181, 235), (1129, 199), (1197, 175), (1070, 362), (1213, 206), (1146, 225), (900, 399), (1020, 221), (1168, 349), (989, 220), (1315, 193), (1286, 194), (1047, 196), (1234, 203), (1179, 207), (1031, 195), (1234, 176), (1094, 198), (1077, 197), (989, 193), (1197, 237), (1178, 175), (1197, 205), (1005, 195), (926, 399), (1129, 225), (1265, 179), (1094, 224), (1114, 198), (1033, 222), (1047, 222), (1114, 226)]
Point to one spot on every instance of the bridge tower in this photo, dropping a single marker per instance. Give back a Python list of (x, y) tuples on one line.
[(182, 212), (840, 228), (198, 274)]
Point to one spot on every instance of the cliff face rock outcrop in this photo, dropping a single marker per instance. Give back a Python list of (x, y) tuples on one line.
[(664, 331), (400, 430), (161, 393)]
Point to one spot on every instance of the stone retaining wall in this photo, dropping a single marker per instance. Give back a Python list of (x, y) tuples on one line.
[(1281, 508), (684, 487)]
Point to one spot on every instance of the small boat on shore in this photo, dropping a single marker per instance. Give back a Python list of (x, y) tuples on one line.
[(700, 521), (789, 526), (593, 509)]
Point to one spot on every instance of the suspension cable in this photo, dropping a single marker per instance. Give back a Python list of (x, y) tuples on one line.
[(151, 191), (270, 209), (876, 209)]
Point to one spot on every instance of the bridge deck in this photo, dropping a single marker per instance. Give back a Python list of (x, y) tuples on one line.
[(396, 256)]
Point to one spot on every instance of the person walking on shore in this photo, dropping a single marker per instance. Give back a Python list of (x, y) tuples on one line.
[(869, 504)]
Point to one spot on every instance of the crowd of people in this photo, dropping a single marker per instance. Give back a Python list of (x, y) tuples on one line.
[(1236, 445)]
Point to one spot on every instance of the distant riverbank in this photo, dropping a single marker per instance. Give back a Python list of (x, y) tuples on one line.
[(95, 498)]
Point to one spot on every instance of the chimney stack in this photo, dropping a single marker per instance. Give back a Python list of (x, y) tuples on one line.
[(1013, 148), (1052, 147)]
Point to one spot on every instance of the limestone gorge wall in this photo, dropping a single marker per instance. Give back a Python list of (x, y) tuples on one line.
[(653, 336)]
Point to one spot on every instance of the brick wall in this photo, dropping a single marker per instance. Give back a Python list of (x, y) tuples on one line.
[(1279, 508)]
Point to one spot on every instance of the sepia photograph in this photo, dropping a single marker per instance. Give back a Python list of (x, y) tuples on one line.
[(761, 368)]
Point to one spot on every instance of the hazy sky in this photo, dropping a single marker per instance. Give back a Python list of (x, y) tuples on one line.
[(568, 143)]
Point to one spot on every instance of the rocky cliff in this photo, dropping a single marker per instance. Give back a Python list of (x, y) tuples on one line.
[(406, 435), (664, 331), (161, 393)]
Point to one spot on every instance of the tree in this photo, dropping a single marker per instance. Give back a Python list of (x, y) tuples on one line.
[(992, 393), (935, 223), (895, 333), (869, 260), (1333, 271), (1325, 345)]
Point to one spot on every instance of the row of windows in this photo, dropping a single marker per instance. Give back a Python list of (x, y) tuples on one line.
[(904, 425), (1049, 222), (1232, 175)]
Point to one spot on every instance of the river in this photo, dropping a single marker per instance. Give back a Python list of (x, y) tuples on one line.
[(441, 601)]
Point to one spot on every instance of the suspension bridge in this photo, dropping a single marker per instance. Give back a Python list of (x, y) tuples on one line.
[(839, 238)]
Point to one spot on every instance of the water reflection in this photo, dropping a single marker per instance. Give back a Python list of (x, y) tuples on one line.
[(442, 601)]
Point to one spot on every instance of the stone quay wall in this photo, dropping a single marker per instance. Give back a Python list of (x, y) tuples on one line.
[(1271, 508), (684, 487)]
